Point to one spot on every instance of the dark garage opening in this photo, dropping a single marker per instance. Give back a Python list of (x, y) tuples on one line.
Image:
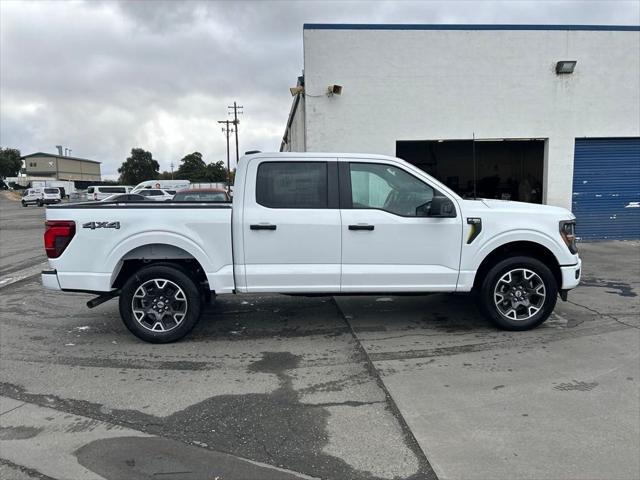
[(505, 169)]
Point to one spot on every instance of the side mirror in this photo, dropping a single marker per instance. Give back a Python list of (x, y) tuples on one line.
[(442, 207)]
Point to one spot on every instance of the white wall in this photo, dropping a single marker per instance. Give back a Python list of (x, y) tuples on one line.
[(447, 84)]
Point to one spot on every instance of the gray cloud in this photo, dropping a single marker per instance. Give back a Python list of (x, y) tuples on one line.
[(103, 77)]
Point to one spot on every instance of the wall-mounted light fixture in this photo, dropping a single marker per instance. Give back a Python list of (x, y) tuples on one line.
[(565, 66), (296, 90), (334, 90)]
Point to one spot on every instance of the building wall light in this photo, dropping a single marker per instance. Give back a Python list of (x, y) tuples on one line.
[(565, 66)]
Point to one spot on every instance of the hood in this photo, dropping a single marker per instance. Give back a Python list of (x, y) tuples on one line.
[(530, 208)]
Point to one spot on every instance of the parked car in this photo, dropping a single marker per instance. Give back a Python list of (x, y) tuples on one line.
[(126, 197), (41, 196), (202, 195), (162, 184), (100, 192), (155, 194), (312, 223)]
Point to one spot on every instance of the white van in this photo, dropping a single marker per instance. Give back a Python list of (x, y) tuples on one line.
[(41, 196), (173, 185), (100, 192)]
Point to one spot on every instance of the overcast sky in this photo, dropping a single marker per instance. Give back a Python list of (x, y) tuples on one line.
[(101, 77)]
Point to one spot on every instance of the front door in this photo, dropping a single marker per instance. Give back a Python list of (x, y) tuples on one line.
[(291, 226), (390, 239)]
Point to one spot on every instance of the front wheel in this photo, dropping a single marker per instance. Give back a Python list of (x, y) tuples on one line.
[(160, 304), (40, 203), (24, 204), (518, 293)]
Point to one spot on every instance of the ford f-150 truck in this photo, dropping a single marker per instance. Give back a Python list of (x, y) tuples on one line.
[(312, 223)]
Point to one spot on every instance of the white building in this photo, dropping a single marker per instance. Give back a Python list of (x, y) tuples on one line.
[(422, 92)]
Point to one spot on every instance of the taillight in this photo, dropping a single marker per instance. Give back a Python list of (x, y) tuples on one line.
[(57, 235)]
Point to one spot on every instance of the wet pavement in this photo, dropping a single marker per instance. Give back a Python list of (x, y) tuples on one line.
[(292, 387)]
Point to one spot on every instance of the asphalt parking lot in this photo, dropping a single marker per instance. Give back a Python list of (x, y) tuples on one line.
[(413, 387)]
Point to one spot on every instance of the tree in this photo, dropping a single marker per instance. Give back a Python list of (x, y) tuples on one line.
[(192, 167), (217, 172), (10, 162), (140, 166)]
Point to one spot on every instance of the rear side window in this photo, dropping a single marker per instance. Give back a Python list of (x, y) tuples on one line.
[(51, 190), (292, 185)]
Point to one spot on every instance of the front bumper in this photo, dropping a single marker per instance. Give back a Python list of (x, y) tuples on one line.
[(571, 275), (50, 280)]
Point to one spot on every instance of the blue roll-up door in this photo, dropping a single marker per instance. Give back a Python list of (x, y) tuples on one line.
[(606, 188)]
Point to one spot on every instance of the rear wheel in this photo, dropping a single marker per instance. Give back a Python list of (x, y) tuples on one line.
[(160, 304), (519, 293)]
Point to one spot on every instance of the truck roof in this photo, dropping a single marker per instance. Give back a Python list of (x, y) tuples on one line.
[(298, 155)]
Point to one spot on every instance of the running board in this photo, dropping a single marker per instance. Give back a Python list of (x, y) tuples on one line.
[(105, 297)]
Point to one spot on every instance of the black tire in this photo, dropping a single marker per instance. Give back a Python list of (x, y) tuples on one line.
[(24, 204), (143, 328), (39, 203), (487, 296)]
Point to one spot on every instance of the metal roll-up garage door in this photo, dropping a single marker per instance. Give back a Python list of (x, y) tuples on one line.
[(606, 188)]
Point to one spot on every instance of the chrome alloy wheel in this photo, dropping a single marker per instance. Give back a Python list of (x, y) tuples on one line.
[(159, 305), (519, 294)]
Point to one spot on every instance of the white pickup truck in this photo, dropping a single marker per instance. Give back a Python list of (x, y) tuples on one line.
[(313, 223)]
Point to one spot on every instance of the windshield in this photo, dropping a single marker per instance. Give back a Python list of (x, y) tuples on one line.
[(200, 197)]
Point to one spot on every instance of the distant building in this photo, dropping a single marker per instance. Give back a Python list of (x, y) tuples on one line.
[(61, 167)]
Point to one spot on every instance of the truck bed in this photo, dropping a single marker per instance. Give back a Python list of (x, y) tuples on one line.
[(109, 233)]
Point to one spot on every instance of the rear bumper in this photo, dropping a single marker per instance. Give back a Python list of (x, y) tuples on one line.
[(50, 280), (571, 275)]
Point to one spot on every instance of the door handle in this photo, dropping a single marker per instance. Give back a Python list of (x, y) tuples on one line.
[(263, 226), (361, 227)]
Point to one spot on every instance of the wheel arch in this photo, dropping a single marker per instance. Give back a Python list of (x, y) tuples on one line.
[(156, 254), (519, 248)]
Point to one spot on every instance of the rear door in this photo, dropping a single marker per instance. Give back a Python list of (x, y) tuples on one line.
[(389, 240), (291, 226)]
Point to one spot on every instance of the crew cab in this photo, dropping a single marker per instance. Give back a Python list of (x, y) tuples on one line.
[(313, 223)]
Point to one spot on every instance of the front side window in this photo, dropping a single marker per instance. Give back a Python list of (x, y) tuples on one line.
[(292, 185), (385, 187)]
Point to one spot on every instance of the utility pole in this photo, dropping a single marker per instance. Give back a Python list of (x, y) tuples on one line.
[(171, 165), (237, 109), (227, 130)]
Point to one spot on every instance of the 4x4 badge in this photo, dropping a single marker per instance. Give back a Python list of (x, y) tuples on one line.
[(94, 225)]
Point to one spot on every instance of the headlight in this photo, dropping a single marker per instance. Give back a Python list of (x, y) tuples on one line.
[(568, 234)]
